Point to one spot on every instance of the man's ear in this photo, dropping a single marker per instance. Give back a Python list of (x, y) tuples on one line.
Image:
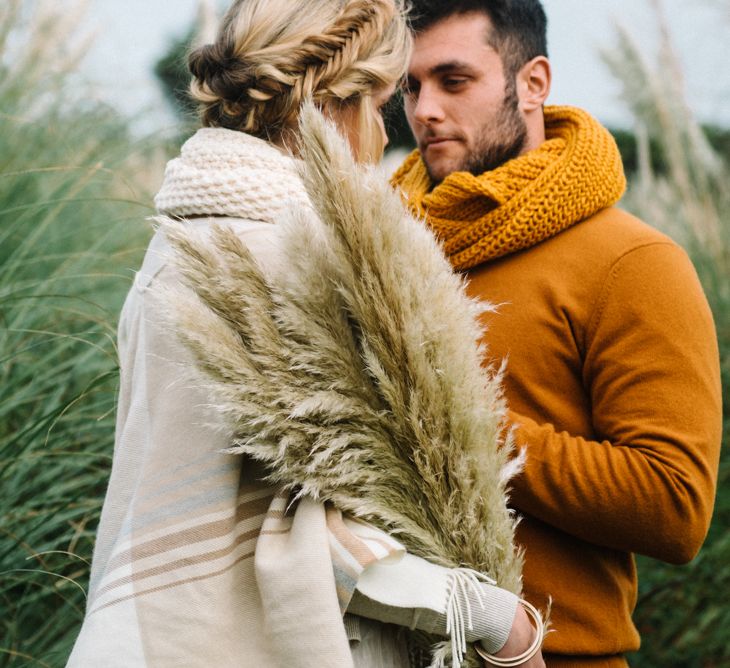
[(533, 83)]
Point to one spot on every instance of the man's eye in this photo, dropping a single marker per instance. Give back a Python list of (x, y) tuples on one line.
[(453, 82)]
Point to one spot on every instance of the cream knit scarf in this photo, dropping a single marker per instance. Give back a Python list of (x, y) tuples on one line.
[(226, 173)]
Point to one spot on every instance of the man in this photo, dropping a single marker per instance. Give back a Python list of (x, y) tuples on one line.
[(612, 378)]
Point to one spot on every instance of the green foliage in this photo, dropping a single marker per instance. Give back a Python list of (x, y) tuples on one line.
[(71, 230), (683, 613), (174, 77)]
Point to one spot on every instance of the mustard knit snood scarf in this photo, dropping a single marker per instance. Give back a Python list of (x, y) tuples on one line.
[(574, 174)]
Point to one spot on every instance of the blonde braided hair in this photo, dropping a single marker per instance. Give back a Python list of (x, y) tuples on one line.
[(272, 55)]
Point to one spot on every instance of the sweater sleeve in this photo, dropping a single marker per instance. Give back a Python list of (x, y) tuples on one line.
[(413, 592), (644, 481)]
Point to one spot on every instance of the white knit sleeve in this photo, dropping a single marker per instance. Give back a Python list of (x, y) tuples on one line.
[(416, 593)]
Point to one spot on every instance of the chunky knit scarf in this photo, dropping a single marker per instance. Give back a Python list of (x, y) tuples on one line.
[(227, 173), (574, 174)]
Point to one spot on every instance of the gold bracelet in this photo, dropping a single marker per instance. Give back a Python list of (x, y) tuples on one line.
[(533, 649)]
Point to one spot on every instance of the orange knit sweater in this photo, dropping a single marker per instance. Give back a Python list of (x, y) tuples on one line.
[(613, 379)]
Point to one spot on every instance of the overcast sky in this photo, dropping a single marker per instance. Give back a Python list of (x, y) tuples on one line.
[(132, 34)]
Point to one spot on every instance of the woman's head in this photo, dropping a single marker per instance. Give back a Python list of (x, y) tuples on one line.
[(272, 55)]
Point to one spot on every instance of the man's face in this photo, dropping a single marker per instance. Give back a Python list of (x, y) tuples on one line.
[(462, 110)]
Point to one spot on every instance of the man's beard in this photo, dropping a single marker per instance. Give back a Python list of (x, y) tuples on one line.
[(499, 141)]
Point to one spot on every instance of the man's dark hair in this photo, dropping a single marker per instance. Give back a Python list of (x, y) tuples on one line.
[(519, 31)]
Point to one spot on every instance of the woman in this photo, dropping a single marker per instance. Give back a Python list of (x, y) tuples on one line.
[(197, 562)]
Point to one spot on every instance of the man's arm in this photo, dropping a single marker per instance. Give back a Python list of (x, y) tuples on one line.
[(645, 480)]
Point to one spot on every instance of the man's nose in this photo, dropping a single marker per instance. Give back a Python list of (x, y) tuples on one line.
[(428, 108)]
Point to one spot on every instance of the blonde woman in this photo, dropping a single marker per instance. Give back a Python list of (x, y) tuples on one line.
[(197, 562)]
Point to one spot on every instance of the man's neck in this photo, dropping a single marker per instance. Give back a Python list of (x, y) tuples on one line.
[(535, 123)]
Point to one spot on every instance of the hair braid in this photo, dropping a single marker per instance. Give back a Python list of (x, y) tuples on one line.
[(332, 56), (344, 52)]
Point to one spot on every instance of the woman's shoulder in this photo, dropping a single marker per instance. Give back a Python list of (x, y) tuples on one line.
[(261, 239)]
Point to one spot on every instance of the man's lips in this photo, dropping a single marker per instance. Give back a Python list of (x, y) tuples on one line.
[(436, 142)]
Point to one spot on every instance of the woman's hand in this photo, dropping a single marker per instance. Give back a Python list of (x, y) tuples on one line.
[(520, 638)]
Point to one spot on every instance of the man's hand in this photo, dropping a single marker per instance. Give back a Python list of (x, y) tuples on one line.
[(519, 640)]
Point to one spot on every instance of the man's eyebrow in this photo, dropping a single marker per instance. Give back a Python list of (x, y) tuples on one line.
[(443, 68), (450, 66)]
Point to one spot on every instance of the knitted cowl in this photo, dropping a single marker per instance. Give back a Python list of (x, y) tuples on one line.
[(226, 173), (574, 174)]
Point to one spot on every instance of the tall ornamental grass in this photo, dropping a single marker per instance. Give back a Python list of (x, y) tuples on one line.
[(683, 613), (74, 194)]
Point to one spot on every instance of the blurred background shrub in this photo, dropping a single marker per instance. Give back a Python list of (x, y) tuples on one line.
[(74, 193), (681, 184)]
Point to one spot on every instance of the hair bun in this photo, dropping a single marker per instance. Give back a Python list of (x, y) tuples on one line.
[(219, 74), (205, 62)]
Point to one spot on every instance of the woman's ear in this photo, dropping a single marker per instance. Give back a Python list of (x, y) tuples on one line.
[(533, 83)]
